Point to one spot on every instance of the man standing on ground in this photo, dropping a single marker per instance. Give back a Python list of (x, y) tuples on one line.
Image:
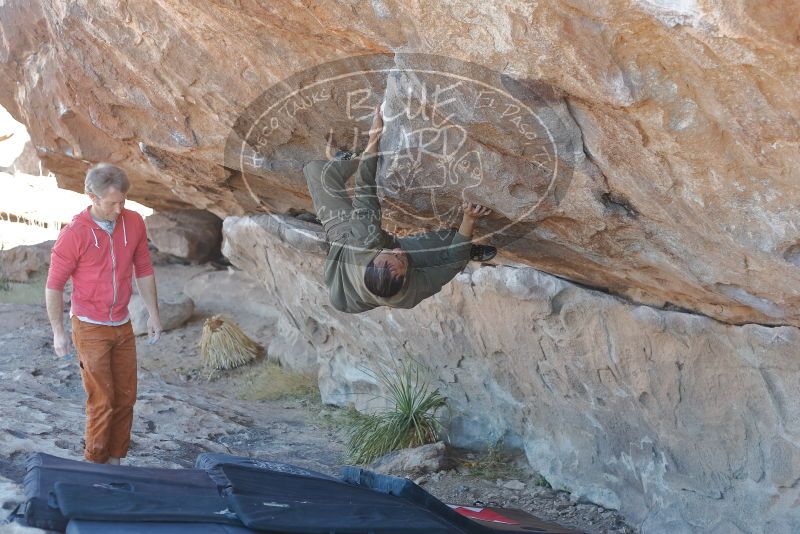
[(366, 266), (100, 250)]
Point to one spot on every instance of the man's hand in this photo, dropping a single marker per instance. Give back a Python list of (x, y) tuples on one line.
[(154, 329), (61, 344), (147, 289), (55, 312), (475, 211), (472, 212)]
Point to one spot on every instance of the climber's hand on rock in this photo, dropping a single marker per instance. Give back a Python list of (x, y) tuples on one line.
[(475, 211), (375, 131), (471, 213)]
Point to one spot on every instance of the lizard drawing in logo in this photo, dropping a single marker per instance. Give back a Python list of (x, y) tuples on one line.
[(436, 163)]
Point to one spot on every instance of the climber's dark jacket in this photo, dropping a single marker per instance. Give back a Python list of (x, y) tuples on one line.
[(353, 229)]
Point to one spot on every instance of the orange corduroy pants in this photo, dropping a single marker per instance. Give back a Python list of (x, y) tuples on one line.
[(107, 357)]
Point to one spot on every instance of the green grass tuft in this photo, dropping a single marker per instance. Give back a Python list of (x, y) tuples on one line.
[(493, 464), (411, 422)]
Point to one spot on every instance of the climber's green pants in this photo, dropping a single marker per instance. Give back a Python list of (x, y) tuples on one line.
[(327, 183)]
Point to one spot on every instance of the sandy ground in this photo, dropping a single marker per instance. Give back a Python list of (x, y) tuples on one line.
[(259, 410)]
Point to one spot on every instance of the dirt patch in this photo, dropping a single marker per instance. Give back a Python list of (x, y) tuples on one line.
[(270, 381)]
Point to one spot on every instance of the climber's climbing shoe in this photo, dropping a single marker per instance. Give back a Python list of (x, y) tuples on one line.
[(345, 155), (482, 252)]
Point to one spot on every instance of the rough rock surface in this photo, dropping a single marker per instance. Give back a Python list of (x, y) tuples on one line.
[(173, 313), (683, 423), (233, 293), (680, 121), (19, 263), (190, 234), (28, 161), (413, 462)]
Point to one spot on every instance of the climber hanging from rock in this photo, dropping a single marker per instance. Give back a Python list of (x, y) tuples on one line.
[(368, 267)]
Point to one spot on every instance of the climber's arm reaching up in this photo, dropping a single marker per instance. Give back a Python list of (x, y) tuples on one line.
[(459, 250), (366, 214)]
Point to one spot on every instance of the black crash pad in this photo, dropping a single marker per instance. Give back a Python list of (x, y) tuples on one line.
[(80, 526), (43, 471), (284, 502), (101, 502), (211, 462), (235, 491)]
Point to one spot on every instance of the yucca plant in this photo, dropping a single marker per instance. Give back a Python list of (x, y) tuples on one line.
[(410, 422), (224, 345)]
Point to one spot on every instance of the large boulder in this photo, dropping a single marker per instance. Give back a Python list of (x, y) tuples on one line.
[(671, 417), (413, 462), (647, 148), (18, 264), (230, 292), (173, 313), (28, 161), (190, 234)]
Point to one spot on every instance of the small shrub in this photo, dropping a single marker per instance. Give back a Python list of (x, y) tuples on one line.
[(494, 464), (411, 422)]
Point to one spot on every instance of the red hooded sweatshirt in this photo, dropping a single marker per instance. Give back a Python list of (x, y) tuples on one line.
[(101, 266)]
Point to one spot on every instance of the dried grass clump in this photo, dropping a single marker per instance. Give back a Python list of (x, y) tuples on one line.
[(225, 346)]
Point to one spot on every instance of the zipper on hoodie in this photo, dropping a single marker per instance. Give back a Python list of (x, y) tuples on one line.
[(113, 276)]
